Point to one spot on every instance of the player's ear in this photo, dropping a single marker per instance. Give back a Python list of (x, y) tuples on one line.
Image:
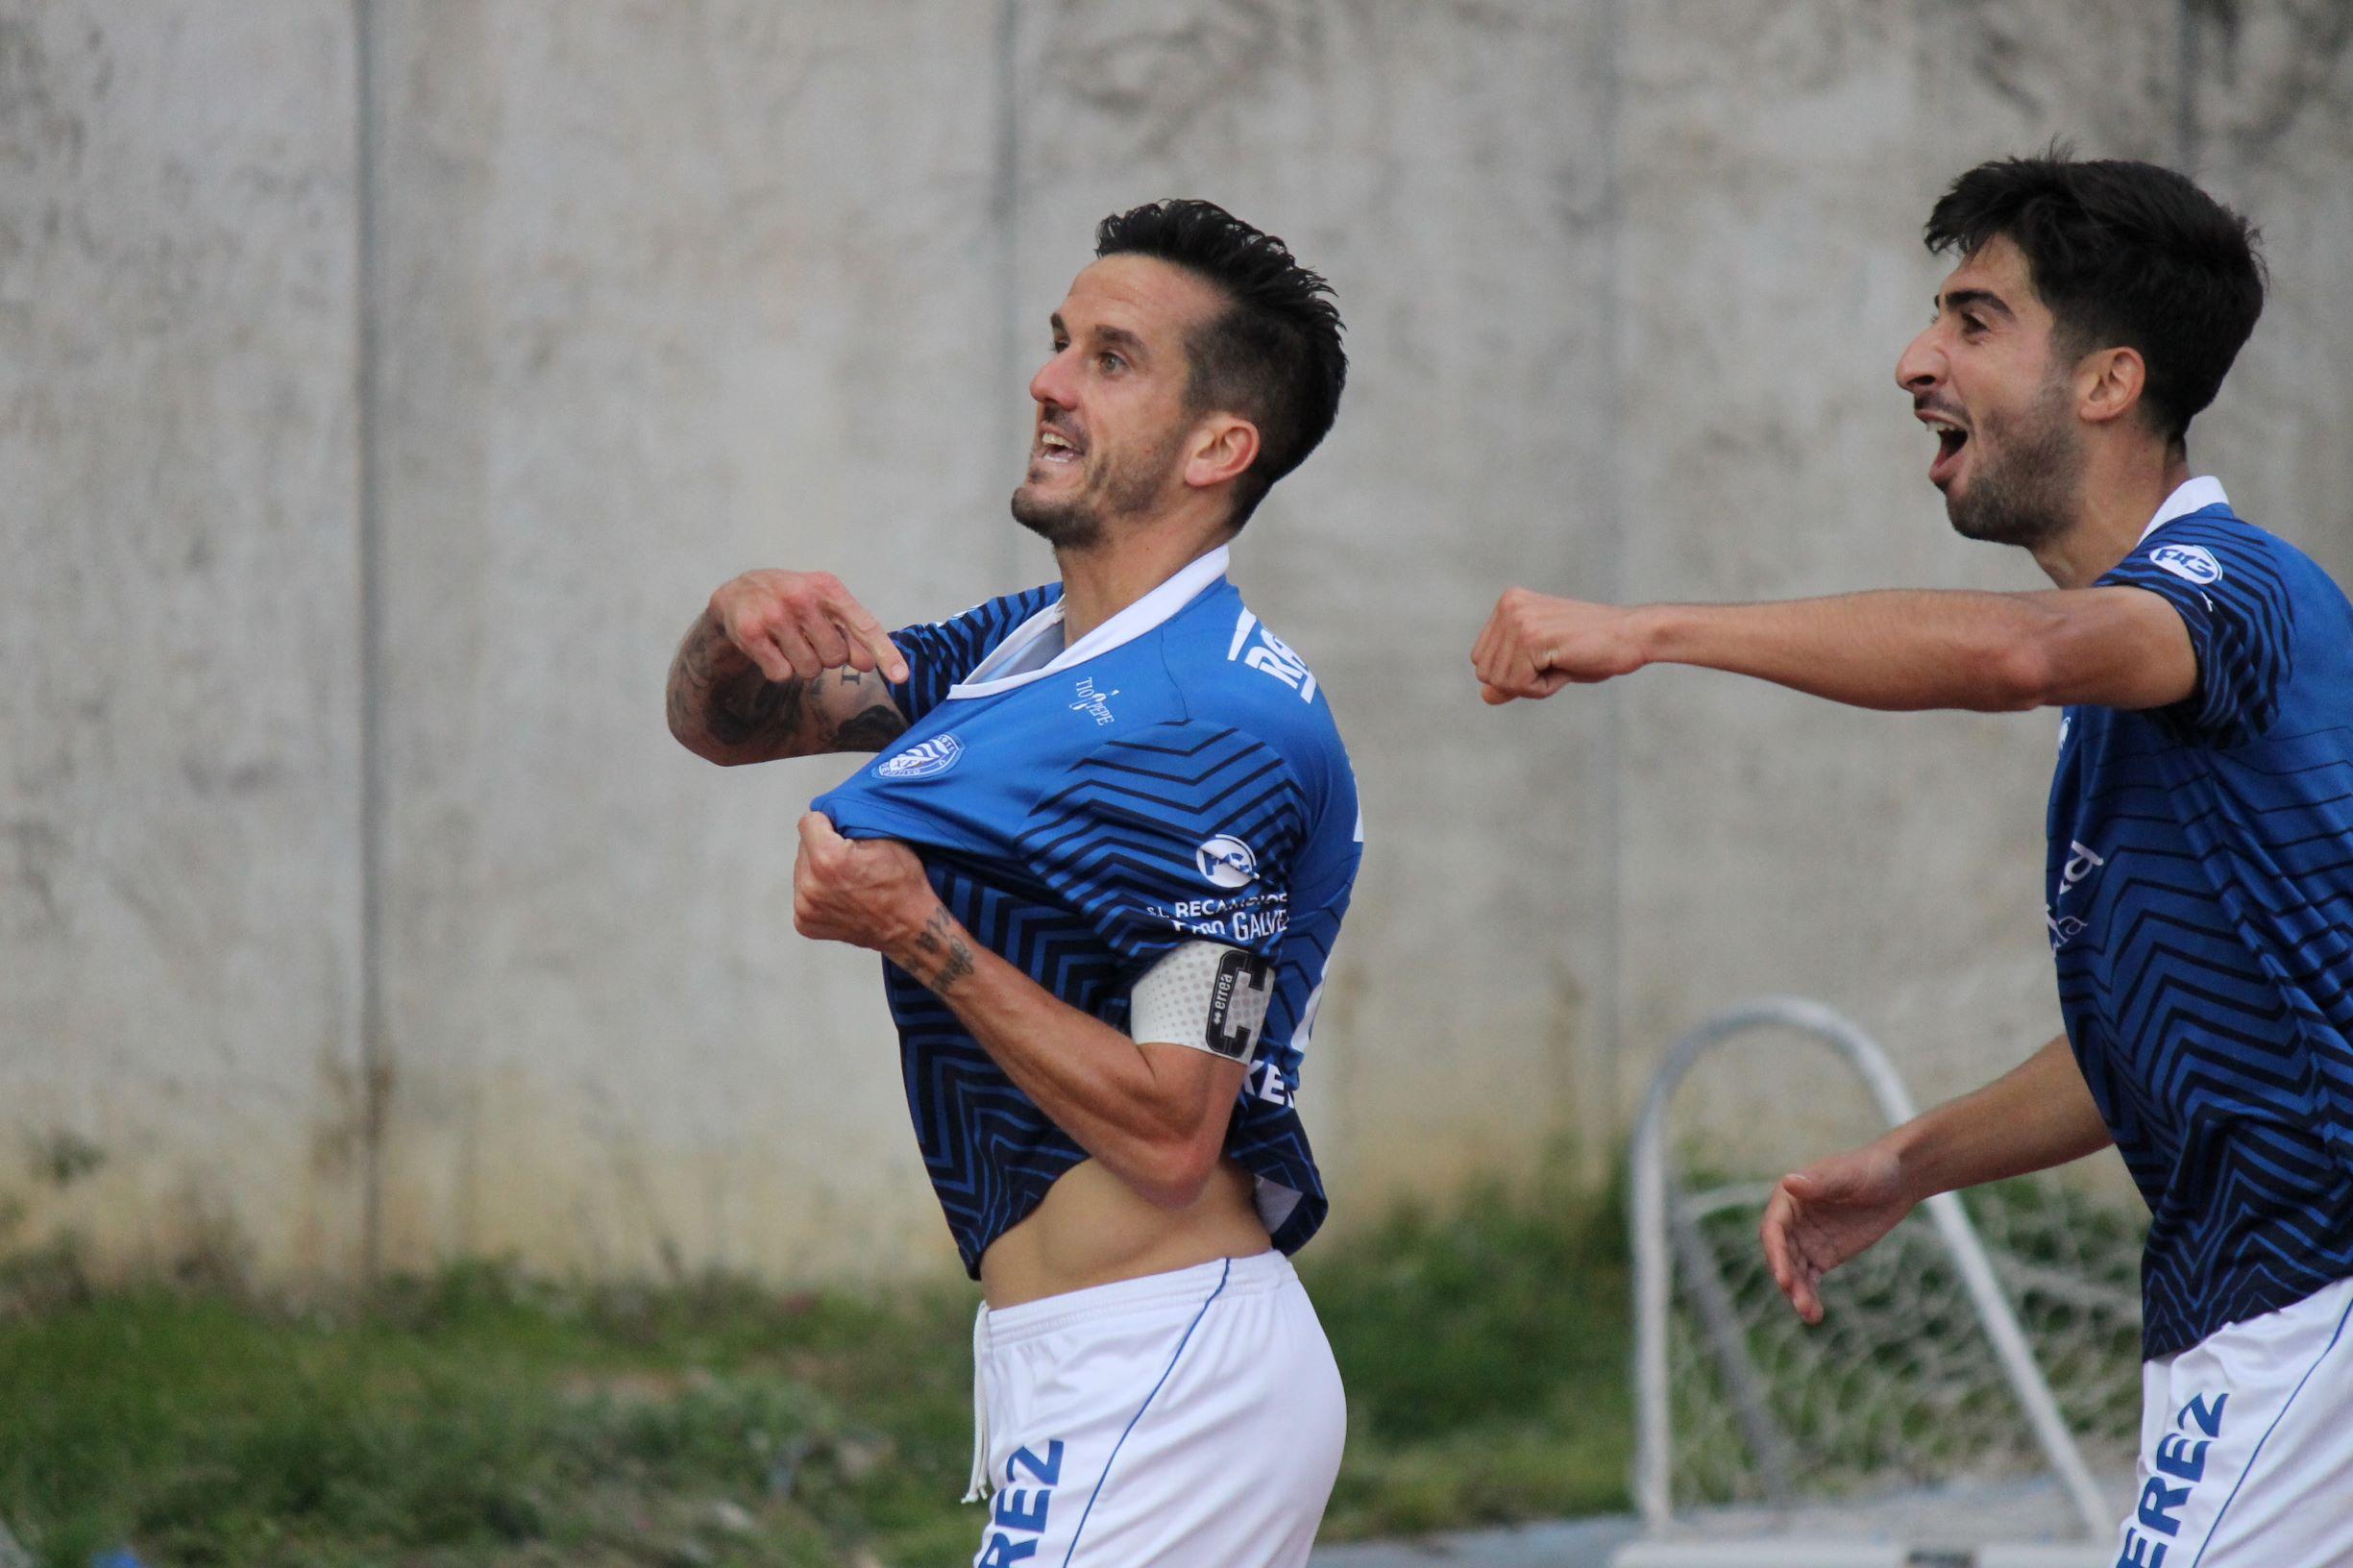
[(1223, 447), (2108, 384)]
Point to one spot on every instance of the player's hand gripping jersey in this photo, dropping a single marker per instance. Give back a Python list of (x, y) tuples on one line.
[(1173, 777), (2200, 900)]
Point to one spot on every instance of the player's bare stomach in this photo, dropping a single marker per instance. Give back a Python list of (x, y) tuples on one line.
[(1094, 1229)]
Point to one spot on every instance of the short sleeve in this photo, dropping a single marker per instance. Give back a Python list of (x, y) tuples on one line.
[(1183, 831), (940, 653), (2225, 583)]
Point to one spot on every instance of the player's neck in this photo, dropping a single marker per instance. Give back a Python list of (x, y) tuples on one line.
[(1101, 580), (2123, 487)]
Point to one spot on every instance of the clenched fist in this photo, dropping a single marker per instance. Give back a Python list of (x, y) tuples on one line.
[(1533, 644), (868, 892)]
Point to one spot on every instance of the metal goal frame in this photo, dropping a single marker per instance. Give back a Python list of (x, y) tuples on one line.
[(1661, 1221)]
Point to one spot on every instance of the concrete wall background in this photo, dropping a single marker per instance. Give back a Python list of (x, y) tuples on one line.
[(179, 685), (381, 389)]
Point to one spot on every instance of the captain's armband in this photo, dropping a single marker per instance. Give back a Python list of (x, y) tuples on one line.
[(1205, 996)]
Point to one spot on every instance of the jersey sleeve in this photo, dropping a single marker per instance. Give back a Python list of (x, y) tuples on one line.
[(1183, 831), (2226, 585), (940, 653)]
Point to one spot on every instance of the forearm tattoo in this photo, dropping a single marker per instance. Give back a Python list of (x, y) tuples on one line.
[(752, 710), (941, 957), (873, 727), (716, 692), (868, 731)]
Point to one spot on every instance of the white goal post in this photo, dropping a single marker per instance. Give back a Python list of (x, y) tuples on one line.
[(1917, 1428)]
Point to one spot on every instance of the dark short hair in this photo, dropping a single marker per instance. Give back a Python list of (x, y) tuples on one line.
[(1273, 355), (2125, 254)]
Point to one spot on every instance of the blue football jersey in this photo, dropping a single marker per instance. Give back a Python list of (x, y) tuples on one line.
[(1174, 776), (2200, 902)]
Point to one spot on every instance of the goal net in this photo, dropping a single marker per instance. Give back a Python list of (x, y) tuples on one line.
[(1972, 1392)]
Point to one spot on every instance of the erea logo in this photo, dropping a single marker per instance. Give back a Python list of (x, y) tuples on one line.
[(2192, 563), (926, 759), (1226, 862)]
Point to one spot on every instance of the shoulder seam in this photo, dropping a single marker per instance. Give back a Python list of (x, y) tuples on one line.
[(1160, 647)]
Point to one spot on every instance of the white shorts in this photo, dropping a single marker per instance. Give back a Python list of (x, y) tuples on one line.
[(2246, 1446), (1182, 1419)]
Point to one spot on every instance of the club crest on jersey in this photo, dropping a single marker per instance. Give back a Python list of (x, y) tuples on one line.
[(925, 759), (1227, 861), (2192, 563)]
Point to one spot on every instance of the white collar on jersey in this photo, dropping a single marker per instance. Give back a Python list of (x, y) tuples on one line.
[(2194, 495), (1013, 662)]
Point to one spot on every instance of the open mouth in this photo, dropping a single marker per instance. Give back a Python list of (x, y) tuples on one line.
[(1055, 449), (1950, 438)]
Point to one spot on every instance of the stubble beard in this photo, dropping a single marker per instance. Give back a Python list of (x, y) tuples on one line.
[(1081, 522), (1071, 523), (2027, 495)]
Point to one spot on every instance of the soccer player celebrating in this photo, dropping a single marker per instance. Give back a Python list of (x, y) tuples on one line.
[(1104, 860), (2200, 868)]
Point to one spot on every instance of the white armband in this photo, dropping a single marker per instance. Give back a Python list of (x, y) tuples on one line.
[(1204, 995)]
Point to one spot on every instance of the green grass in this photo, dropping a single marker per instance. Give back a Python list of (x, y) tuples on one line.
[(1486, 1349), (480, 1418)]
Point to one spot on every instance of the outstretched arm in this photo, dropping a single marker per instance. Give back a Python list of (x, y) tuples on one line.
[(1904, 649), (784, 664), (2038, 1114)]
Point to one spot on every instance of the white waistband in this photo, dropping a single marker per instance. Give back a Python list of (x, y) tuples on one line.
[(1181, 1287)]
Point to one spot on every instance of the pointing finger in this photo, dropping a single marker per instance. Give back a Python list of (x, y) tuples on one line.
[(888, 658), (859, 622)]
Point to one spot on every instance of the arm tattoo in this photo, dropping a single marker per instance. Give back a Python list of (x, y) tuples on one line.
[(942, 949), (872, 730), (716, 692), (752, 709)]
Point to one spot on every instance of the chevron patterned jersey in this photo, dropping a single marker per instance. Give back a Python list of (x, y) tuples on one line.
[(2200, 892), (1174, 776)]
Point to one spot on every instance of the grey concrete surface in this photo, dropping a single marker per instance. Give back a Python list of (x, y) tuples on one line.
[(180, 672), (2272, 96), (669, 297), (653, 293)]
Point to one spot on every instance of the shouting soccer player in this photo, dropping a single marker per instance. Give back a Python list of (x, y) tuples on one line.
[(1104, 860), (2200, 868)]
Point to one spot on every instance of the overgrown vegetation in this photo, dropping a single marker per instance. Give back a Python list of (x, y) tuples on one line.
[(1486, 1348), (481, 1418)]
